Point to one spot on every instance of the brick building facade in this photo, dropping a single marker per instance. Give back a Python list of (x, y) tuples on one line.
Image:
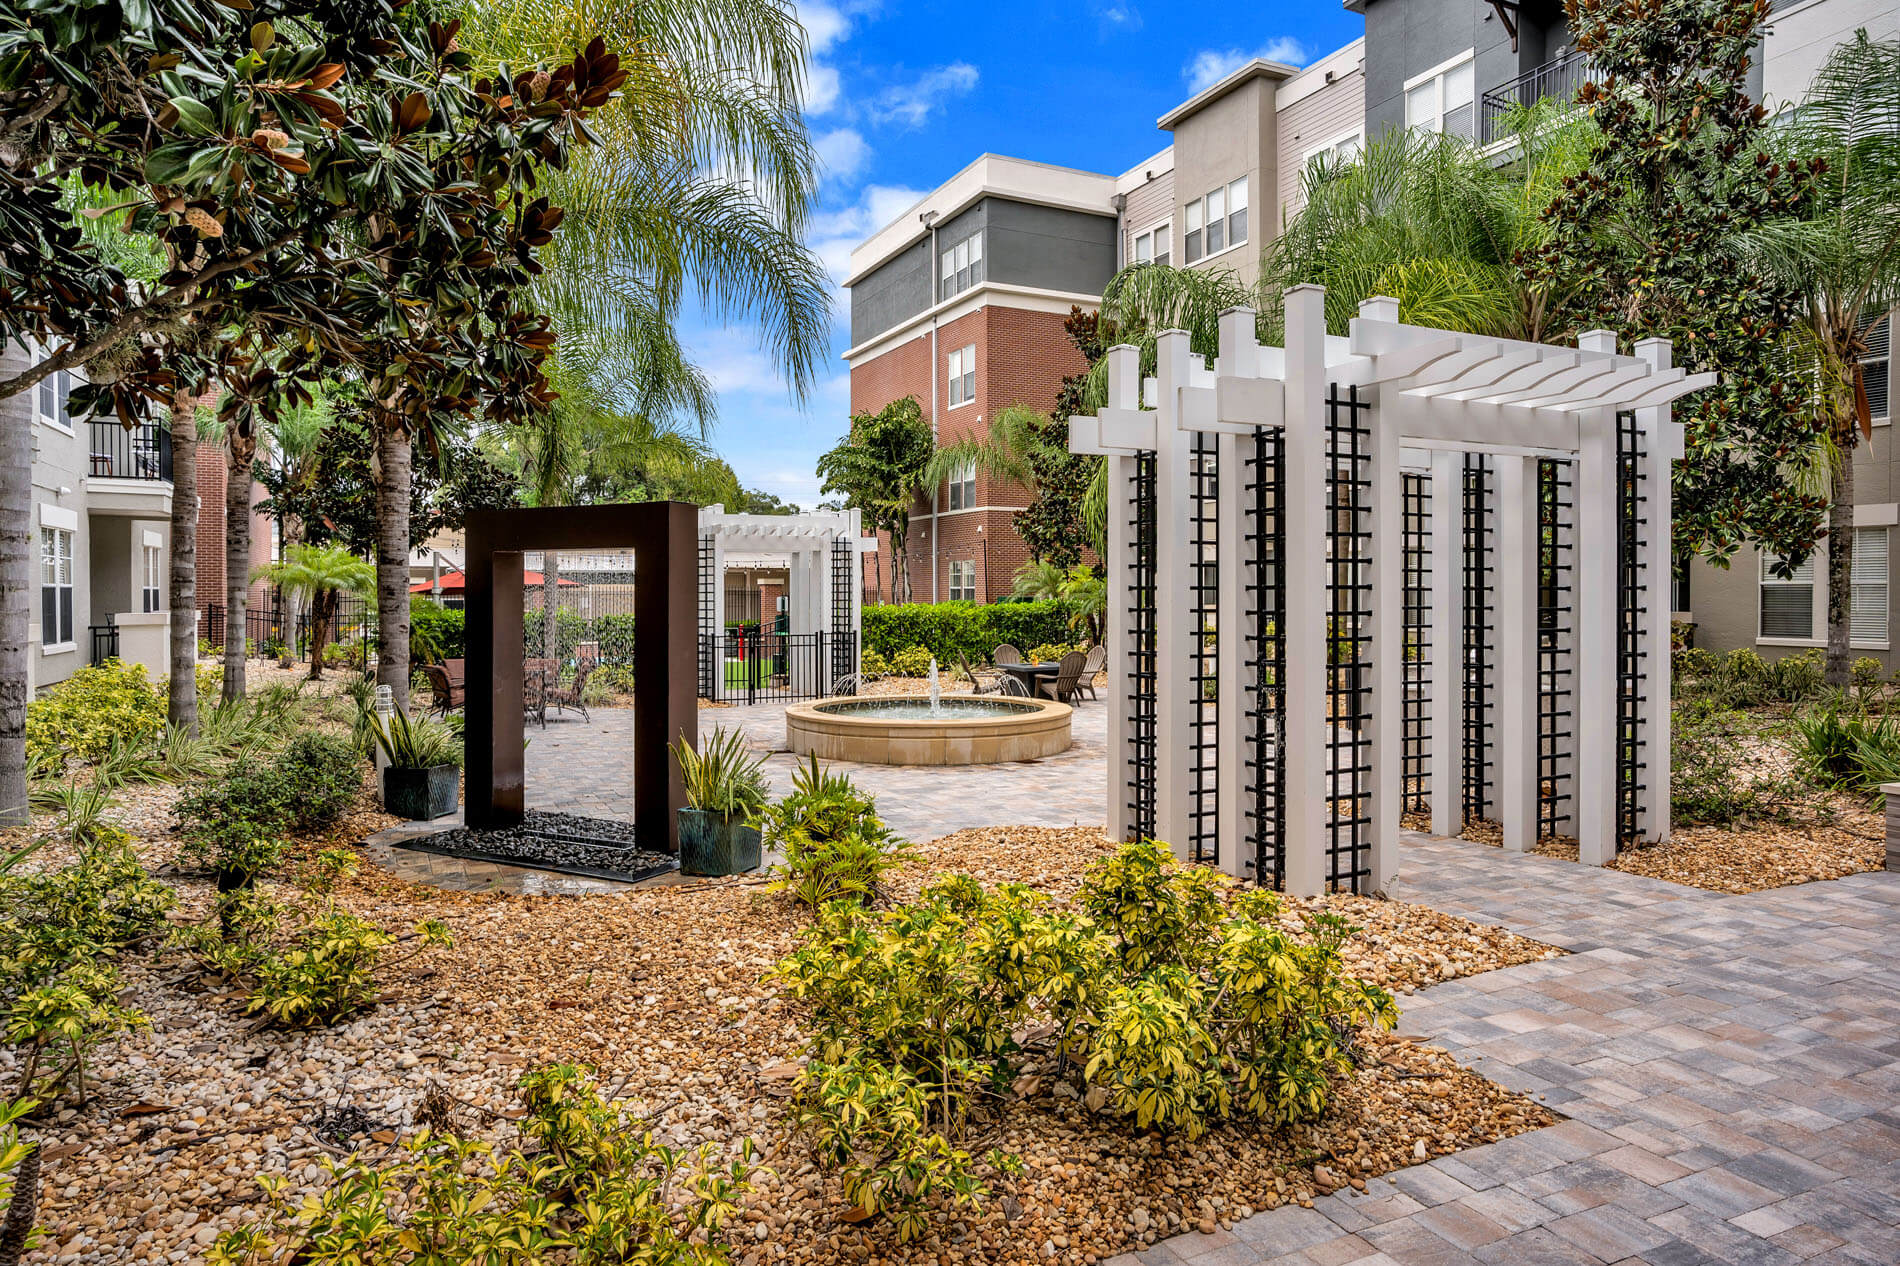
[(213, 479)]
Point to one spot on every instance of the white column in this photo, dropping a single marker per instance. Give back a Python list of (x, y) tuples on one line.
[(1239, 357), (1447, 667), (855, 534), (1516, 602), (1302, 748), (1124, 386), (1660, 439), (1387, 498), (1595, 616), (1177, 699), (717, 633)]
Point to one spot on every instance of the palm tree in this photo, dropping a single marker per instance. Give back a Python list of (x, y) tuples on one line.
[(1843, 257), (319, 573)]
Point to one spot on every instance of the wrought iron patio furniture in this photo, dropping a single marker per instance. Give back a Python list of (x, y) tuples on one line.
[(446, 693)]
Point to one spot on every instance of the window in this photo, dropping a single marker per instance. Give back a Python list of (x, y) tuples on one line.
[(1335, 155), (1876, 364), (56, 586), (963, 581), (49, 400), (1216, 222), (1867, 622), (963, 375), (149, 592), (1151, 247), (1787, 606), (962, 265), (963, 487), (1441, 100)]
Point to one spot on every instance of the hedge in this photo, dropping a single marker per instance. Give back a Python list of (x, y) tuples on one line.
[(950, 629), (446, 626)]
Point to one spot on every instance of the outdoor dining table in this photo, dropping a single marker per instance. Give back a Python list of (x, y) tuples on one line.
[(1030, 674)]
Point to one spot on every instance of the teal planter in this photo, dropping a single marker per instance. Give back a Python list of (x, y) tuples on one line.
[(713, 844), (421, 795)]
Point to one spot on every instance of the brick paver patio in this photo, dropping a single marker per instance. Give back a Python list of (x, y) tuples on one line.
[(1730, 1065)]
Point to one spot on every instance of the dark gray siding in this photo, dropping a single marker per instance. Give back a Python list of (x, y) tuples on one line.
[(895, 292), (1408, 37)]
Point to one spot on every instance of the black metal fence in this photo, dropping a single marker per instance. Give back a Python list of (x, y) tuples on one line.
[(275, 629), (755, 666), (121, 452)]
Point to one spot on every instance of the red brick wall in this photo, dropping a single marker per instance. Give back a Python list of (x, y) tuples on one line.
[(213, 478), (1022, 358)]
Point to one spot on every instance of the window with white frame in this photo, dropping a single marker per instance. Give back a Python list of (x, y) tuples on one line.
[(962, 265), (962, 366), (1876, 363), (149, 592), (1787, 603), (56, 585), (1442, 99), (963, 581), (1335, 155), (963, 486), (1867, 624), (49, 400), (1151, 245), (1216, 222)]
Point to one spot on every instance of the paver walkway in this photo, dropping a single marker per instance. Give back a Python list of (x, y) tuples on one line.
[(1731, 1066)]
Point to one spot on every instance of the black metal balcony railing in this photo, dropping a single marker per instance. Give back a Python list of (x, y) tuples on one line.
[(139, 452), (1559, 77)]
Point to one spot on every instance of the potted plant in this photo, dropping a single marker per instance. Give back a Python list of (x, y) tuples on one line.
[(425, 765), (724, 793)]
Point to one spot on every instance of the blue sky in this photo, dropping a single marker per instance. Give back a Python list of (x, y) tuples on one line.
[(905, 94)]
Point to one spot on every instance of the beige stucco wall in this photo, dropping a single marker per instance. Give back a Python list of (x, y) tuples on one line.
[(1230, 137)]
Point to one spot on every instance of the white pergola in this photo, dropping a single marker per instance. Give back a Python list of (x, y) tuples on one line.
[(1259, 503), (825, 595)]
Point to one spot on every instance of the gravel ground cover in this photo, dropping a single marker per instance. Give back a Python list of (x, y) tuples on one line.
[(598, 847), (662, 989)]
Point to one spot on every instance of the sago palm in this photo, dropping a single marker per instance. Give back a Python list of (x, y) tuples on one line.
[(318, 573)]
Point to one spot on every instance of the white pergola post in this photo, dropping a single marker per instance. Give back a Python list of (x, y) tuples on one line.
[(1447, 666), (1517, 695), (1303, 747), (1662, 439), (1176, 569), (1239, 358), (1595, 616), (1124, 394)]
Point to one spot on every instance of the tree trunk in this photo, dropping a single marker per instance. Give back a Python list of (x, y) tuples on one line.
[(1840, 566), (16, 595), (182, 705), (237, 561), (392, 560), (322, 611), (25, 1203), (550, 604)]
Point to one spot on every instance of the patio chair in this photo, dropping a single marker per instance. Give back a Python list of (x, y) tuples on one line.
[(1006, 654), (983, 681), (1062, 689), (447, 693), (1092, 664), (572, 697), (534, 688)]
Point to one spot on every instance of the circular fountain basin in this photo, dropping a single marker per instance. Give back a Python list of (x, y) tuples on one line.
[(900, 730)]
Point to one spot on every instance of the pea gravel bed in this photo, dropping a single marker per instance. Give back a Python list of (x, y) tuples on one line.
[(601, 848), (662, 988)]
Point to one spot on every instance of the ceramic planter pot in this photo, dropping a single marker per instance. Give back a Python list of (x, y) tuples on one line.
[(713, 844), (421, 795)]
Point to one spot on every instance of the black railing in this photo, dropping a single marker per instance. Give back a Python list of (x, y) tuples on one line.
[(768, 667), (1559, 77), (105, 642), (138, 452)]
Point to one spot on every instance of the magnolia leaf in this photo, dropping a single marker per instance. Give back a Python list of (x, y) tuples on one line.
[(195, 118), (263, 35)]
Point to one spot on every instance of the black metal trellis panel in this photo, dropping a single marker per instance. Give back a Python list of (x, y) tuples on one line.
[(1632, 678), (844, 642), (1265, 655), (708, 625), (1204, 665), (1556, 688), (1142, 716), (1349, 641), (1480, 633), (1415, 722)]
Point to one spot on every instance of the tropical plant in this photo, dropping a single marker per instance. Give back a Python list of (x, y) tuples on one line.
[(722, 776), (1841, 254), (882, 467), (318, 573), (102, 704), (833, 844), (416, 743)]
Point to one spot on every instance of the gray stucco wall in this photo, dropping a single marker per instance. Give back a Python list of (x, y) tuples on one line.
[(59, 464)]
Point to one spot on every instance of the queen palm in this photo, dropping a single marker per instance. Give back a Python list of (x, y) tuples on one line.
[(1843, 258), (318, 574)]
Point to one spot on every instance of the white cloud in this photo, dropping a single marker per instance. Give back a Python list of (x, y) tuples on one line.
[(821, 89), (912, 103), (841, 153), (1117, 15), (1211, 65), (824, 25)]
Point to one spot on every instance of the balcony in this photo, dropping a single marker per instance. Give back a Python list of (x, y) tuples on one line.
[(1559, 77), (142, 452)]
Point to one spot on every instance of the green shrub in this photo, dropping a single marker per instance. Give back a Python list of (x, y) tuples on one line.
[(834, 845), (81, 716), (912, 661), (1865, 673), (1848, 749), (245, 804), (1051, 652), (596, 1190), (1162, 1008), (950, 629), (58, 1021), (328, 774), (94, 908), (440, 630), (327, 972), (872, 664), (1716, 777)]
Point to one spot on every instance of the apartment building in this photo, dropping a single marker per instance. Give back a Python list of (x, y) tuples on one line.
[(960, 301)]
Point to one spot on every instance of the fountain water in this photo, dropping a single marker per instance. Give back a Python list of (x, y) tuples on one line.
[(936, 695)]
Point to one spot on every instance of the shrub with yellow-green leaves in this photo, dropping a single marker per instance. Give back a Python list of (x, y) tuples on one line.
[(1158, 1002), (82, 715), (589, 1189)]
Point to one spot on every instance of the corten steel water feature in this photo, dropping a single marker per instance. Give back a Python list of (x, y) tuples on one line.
[(664, 538)]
